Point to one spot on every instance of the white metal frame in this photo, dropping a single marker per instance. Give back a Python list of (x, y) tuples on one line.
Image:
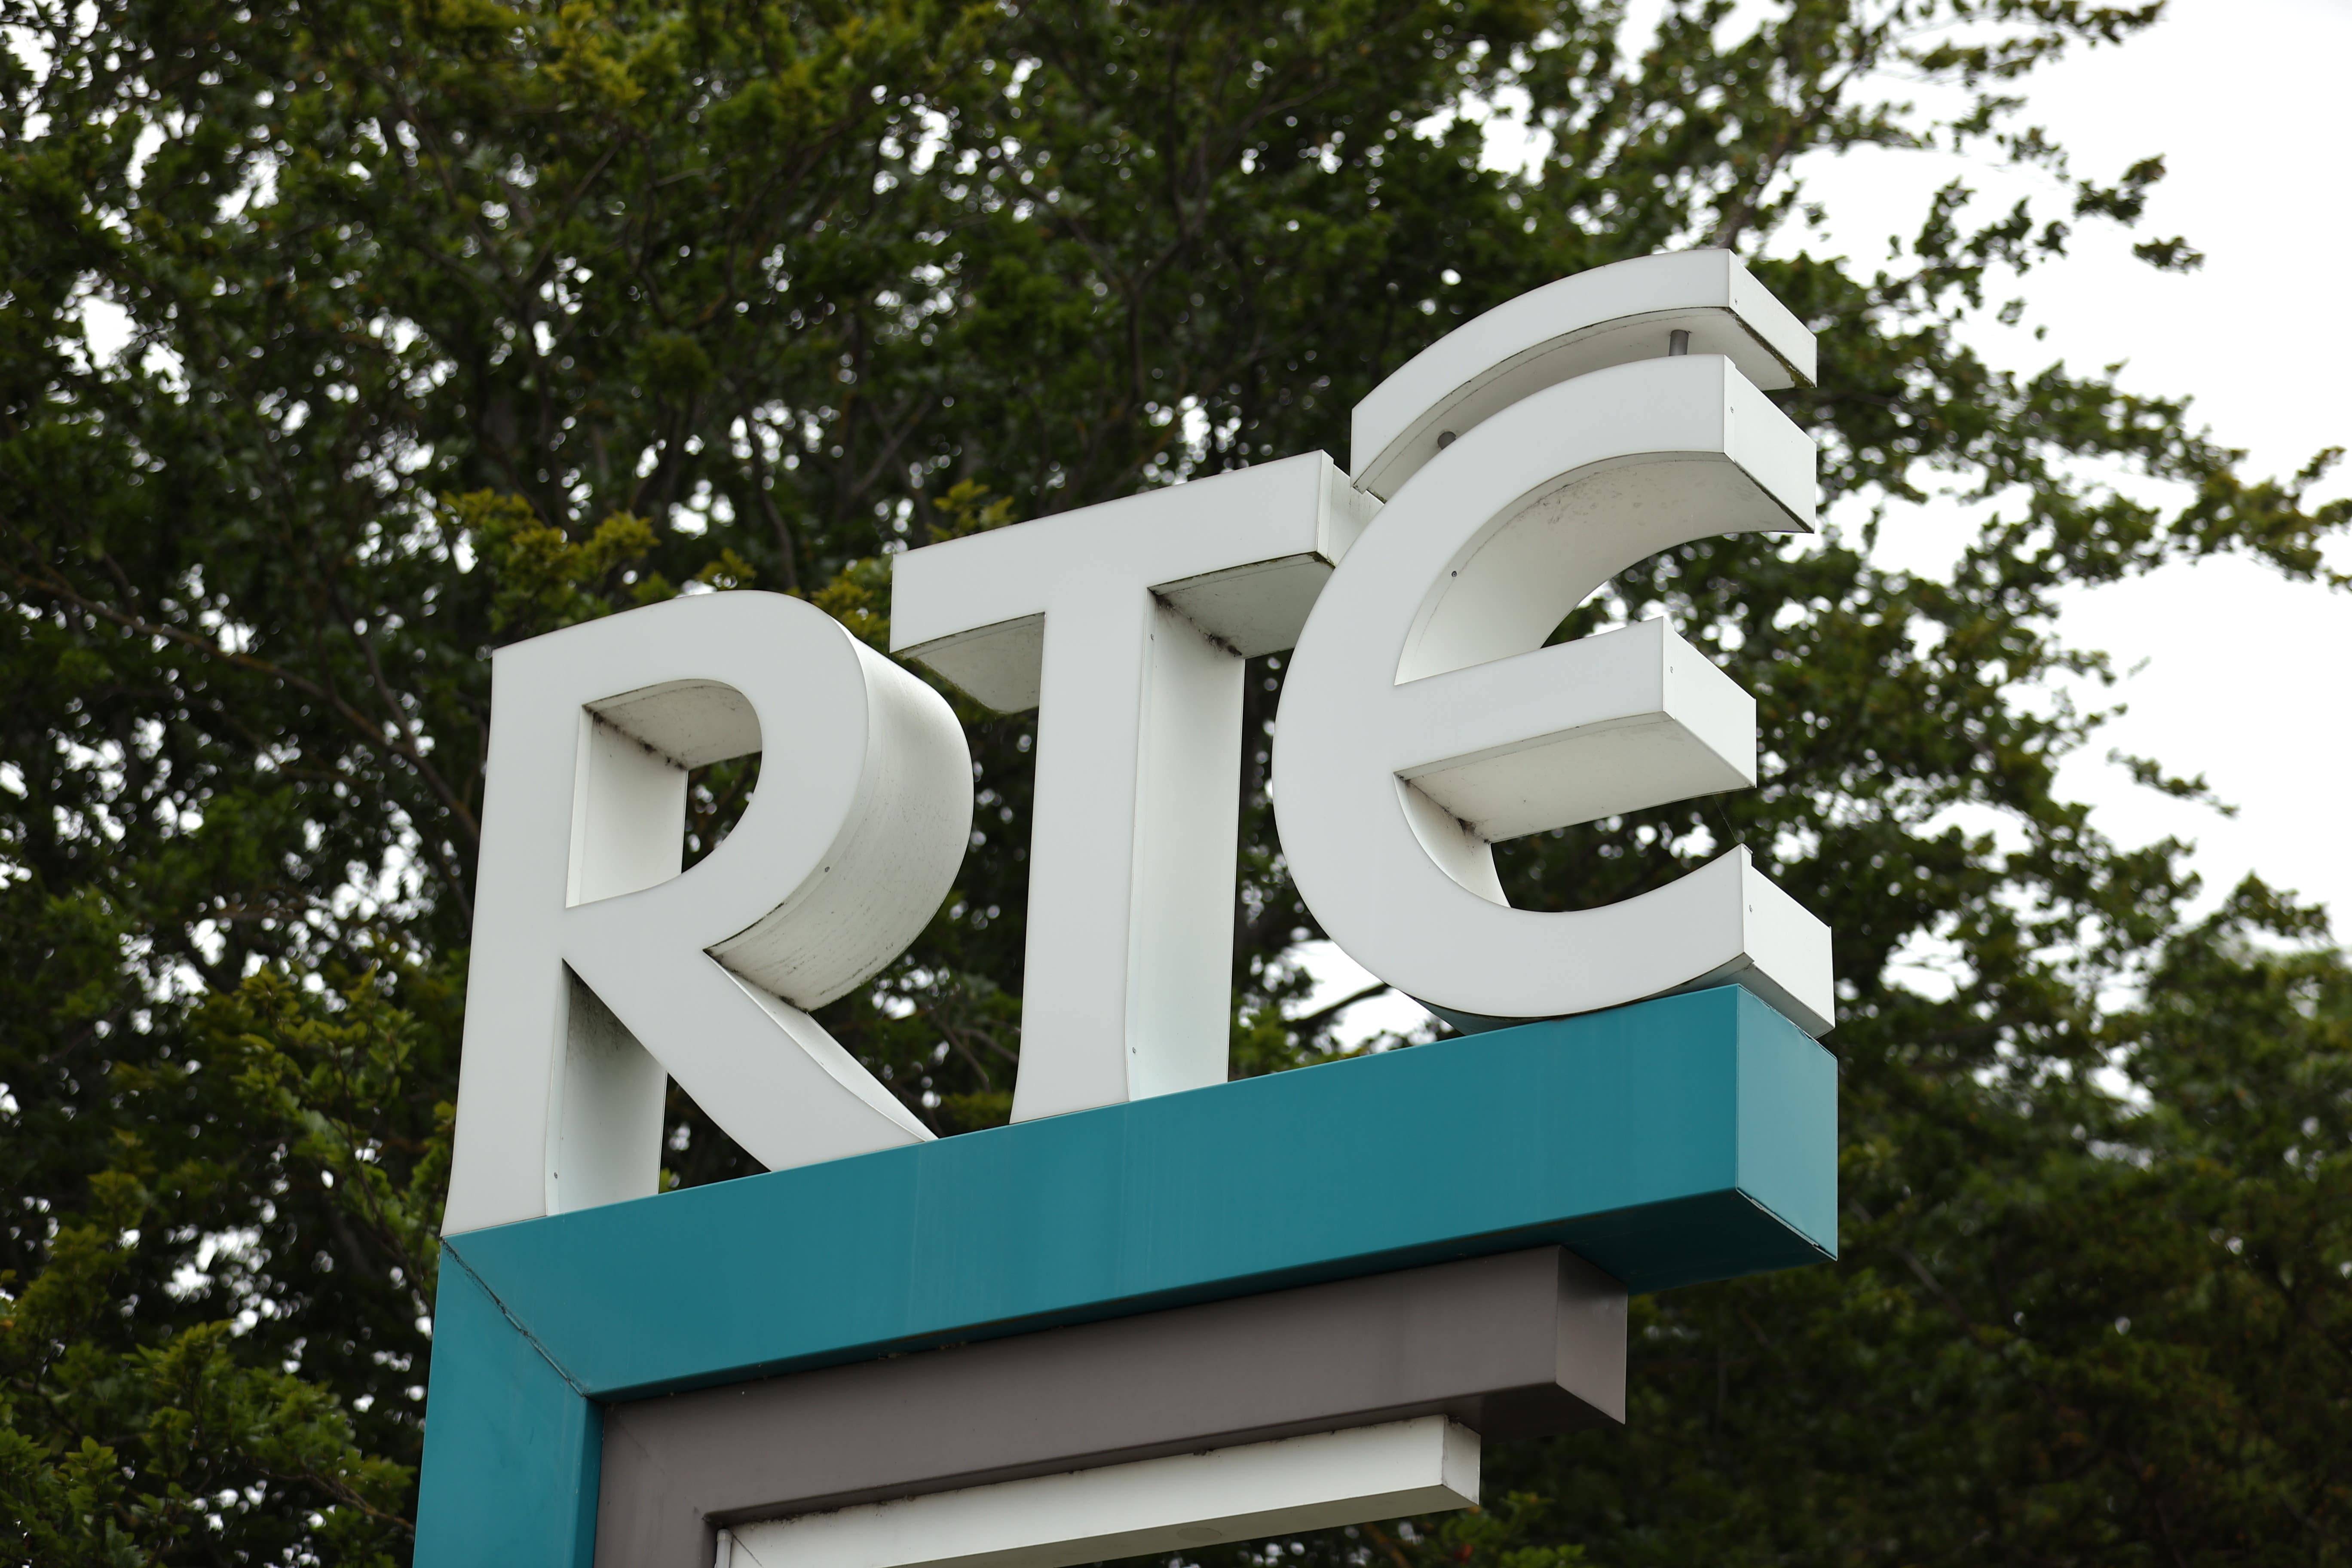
[(1188, 1501)]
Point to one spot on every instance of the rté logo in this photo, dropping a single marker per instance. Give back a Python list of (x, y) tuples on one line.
[(1499, 478)]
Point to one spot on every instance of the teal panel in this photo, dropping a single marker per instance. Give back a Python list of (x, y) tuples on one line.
[(511, 1451), (1787, 1124), (1686, 1139)]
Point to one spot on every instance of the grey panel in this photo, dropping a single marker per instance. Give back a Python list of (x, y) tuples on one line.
[(1522, 1344)]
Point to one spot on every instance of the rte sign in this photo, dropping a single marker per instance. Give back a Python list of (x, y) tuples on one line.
[(1497, 480)]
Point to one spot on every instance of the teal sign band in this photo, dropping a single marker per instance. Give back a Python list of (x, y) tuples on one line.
[(1673, 1142)]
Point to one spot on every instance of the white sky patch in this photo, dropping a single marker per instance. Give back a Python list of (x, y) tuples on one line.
[(2231, 659), (1337, 975)]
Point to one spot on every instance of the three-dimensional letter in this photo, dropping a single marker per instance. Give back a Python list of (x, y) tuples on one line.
[(1125, 624), (589, 946), (1529, 457)]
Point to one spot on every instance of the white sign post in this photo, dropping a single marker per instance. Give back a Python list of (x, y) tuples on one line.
[(1234, 1358)]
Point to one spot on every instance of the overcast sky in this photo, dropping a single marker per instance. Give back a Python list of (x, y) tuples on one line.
[(2242, 676)]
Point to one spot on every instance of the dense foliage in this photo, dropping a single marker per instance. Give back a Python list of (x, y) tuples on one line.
[(343, 343)]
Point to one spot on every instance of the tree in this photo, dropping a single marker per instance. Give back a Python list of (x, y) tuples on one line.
[(346, 342)]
